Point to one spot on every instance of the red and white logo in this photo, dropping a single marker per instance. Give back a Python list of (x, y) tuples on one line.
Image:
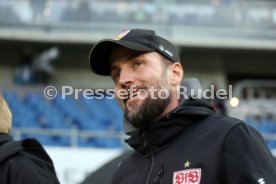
[(188, 176), (121, 35)]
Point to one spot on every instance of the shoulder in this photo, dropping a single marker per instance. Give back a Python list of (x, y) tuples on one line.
[(17, 155), (217, 125), (244, 148), (244, 132), (29, 164), (244, 138), (231, 121), (18, 161), (17, 165)]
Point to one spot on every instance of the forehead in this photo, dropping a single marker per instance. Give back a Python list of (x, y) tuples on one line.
[(122, 53)]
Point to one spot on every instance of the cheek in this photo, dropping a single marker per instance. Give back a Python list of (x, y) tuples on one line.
[(160, 80), (117, 97), (166, 80), (150, 76), (120, 94), (116, 92)]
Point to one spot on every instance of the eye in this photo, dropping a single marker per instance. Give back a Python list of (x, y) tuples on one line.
[(114, 75), (137, 63)]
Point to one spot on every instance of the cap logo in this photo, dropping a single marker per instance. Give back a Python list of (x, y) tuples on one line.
[(169, 53), (121, 35), (161, 47)]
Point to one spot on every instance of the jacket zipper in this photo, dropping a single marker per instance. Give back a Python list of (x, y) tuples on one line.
[(146, 144), (158, 178), (151, 167)]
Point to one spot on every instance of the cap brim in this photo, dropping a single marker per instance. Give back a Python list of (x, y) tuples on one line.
[(99, 56)]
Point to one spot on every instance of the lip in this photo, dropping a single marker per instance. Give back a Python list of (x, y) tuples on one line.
[(130, 98), (133, 95), (136, 98)]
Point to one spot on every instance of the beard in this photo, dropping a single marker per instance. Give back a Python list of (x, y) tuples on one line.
[(150, 109)]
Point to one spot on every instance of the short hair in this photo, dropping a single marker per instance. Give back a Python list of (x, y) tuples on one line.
[(165, 63), (5, 116)]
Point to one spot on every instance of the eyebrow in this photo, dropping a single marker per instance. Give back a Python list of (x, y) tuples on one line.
[(129, 56), (114, 68)]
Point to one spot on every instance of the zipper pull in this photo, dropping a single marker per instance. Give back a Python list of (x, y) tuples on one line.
[(158, 177), (145, 142)]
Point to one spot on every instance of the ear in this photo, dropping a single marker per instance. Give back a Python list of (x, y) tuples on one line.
[(176, 74)]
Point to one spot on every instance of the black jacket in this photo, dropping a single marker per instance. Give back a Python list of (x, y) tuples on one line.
[(25, 162), (193, 145)]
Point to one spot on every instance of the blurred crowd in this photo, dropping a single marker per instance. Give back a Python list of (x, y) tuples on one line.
[(206, 13), (36, 68)]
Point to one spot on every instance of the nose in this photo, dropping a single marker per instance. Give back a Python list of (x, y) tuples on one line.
[(126, 78)]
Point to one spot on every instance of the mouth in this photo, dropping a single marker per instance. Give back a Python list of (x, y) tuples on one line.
[(133, 95), (130, 96)]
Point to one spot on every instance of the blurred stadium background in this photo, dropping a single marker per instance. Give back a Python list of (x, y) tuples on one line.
[(47, 42)]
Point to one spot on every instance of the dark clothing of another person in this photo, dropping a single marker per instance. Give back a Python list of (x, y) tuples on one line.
[(25, 162)]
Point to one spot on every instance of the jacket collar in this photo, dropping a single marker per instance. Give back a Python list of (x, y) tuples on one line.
[(5, 138), (158, 134)]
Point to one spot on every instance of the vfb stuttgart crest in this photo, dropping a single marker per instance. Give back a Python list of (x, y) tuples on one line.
[(188, 176), (121, 35)]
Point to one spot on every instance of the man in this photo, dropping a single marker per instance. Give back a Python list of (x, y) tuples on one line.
[(42, 67), (22, 162), (175, 142)]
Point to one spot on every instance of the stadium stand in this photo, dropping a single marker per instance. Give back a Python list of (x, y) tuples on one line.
[(32, 112), (266, 126), (257, 102), (200, 13)]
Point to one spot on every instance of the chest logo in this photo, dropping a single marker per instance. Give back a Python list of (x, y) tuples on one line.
[(188, 176)]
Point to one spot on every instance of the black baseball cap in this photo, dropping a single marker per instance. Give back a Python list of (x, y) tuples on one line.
[(135, 39)]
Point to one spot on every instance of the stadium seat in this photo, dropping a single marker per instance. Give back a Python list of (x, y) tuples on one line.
[(108, 143), (271, 144), (32, 110), (267, 127), (252, 121), (86, 142)]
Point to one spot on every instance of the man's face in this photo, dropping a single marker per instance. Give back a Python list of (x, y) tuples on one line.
[(137, 80)]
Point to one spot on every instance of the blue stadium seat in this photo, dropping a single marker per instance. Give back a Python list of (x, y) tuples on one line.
[(252, 121), (97, 109), (61, 140), (86, 142), (43, 139), (49, 117), (34, 111), (108, 143), (267, 127), (23, 116), (271, 144)]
